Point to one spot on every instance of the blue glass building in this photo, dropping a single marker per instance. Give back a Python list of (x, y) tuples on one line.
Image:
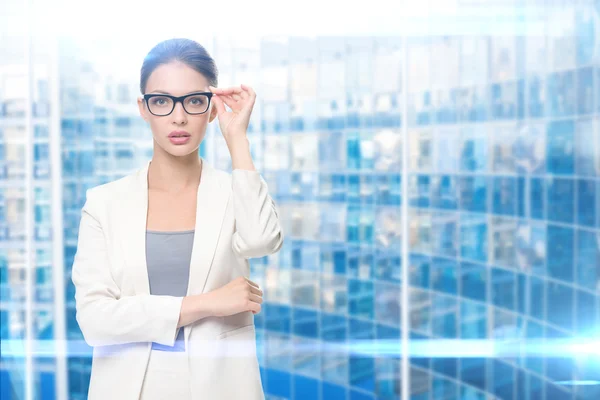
[(490, 142)]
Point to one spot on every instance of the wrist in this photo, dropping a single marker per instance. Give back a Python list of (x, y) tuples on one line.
[(202, 306), (238, 143), (241, 157)]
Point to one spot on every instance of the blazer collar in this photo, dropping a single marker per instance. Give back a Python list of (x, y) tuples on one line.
[(212, 199)]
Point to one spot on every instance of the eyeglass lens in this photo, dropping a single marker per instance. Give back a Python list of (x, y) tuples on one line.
[(163, 105)]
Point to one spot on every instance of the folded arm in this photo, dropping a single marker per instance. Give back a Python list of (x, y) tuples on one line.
[(258, 229), (104, 316)]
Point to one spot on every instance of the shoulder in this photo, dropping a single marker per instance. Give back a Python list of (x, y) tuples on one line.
[(113, 192)]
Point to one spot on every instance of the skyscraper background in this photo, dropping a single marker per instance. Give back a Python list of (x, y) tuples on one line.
[(439, 191)]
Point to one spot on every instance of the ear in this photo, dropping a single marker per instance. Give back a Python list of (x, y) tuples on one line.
[(213, 112), (142, 108)]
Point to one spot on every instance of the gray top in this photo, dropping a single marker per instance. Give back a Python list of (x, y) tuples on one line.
[(168, 256)]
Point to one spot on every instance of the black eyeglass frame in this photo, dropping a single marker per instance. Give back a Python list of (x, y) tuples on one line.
[(176, 99)]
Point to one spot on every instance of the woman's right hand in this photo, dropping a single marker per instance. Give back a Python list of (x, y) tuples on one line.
[(239, 295)]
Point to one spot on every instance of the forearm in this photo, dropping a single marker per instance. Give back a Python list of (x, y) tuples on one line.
[(194, 308), (105, 320), (241, 157)]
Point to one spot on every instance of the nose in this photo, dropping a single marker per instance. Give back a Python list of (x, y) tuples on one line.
[(179, 114)]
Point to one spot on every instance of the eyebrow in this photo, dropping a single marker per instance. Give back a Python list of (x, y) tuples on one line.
[(165, 92)]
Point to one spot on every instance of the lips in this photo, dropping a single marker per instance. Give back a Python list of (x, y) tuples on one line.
[(179, 139), (176, 134)]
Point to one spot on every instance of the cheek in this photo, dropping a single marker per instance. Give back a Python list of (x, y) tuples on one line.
[(198, 124), (157, 126)]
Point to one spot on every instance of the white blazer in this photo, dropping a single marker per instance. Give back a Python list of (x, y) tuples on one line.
[(236, 219)]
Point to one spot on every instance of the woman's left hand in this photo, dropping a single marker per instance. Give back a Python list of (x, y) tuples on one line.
[(240, 99)]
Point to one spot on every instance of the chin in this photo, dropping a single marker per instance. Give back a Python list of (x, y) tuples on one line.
[(180, 150), (184, 152)]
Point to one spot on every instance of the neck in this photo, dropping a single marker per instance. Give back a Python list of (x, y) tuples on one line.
[(172, 174)]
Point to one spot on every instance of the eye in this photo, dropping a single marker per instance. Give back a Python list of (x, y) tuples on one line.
[(159, 101)]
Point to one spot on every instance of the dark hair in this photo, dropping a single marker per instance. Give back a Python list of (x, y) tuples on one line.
[(186, 51)]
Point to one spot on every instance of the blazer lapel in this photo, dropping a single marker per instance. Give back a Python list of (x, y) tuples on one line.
[(134, 215), (212, 199)]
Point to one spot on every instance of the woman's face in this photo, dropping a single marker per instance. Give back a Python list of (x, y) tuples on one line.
[(177, 79)]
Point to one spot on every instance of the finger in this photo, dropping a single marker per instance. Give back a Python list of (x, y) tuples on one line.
[(235, 93), (252, 283), (251, 96), (243, 92), (220, 92), (239, 91), (256, 299), (231, 103), (233, 96), (256, 290), (229, 90), (219, 104), (249, 90)]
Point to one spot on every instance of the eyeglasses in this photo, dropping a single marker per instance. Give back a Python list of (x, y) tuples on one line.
[(164, 104)]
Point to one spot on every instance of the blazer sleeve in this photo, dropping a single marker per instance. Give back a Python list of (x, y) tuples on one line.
[(258, 230), (104, 316)]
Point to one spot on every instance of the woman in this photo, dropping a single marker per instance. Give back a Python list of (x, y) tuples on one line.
[(161, 269)]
